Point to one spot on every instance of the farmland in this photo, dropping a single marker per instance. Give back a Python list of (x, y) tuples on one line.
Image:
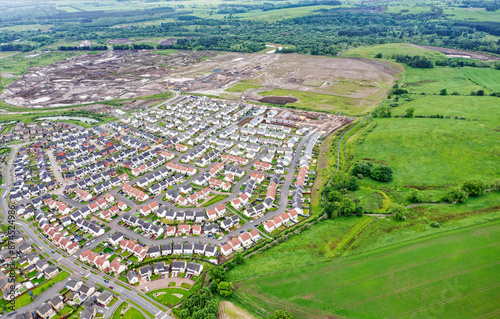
[(396, 282)]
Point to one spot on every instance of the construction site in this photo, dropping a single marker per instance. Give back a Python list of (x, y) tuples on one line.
[(308, 82)]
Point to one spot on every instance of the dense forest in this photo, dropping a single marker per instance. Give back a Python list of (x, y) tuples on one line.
[(326, 32)]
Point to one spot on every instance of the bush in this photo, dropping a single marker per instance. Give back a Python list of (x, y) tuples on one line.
[(363, 169), (414, 196), (382, 173), (434, 224), (457, 195), (360, 211), (474, 187), (399, 211)]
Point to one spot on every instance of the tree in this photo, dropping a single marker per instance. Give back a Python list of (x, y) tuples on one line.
[(238, 259), (346, 206), (218, 274), (225, 288), (330, 210), (360, 211), (409, 112), (333, 196), (399, 211), (457, 195), (378, 56), (382, 173), (443, 92), (364, 169), (282, 314), (480, 92), (474, 187)]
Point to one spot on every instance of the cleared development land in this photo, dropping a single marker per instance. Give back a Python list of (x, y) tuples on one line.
[(457, 274)]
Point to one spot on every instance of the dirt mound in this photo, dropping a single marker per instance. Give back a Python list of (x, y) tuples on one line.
[(281, 100)]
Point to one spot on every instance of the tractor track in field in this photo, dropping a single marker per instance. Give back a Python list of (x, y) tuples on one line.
[(286, 305), (349, 305), (328, 269), (490, 314), (395, 270), (451, 299)]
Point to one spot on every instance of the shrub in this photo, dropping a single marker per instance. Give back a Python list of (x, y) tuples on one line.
[(474, 187), (457, 195), (382, 173), (399, 211)]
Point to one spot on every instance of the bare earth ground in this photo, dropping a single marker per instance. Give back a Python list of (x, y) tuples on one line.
[(115, 74), (227, 310)]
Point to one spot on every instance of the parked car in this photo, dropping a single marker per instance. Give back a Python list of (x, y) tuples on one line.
[(106, 281), (111, 287)]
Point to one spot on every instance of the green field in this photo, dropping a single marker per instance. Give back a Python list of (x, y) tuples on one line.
[(388, 50), (310, 247), (455, 275), (321, 102), (434, 80), (242, 87), (435, 151)]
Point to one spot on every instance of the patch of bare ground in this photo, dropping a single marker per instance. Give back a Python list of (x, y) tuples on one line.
[(280, 100), (227, 310)]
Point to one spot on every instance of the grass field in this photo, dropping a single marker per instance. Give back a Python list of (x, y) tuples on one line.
[(319, 102), (455, 275), (310, 247), (434, 151), (388, 50), (242, 87), (461, 80)]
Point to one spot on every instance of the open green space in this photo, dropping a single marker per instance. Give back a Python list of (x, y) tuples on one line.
[(460, 80), (453, 275), (427, 151), (391, 49), (242, 87), (310, 247), (215, 199), (319, 102), (26, 299)]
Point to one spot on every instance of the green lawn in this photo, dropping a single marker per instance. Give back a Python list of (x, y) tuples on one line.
[(25, 299), (455, 275), (133, 313), (215, 199), (116, 314)]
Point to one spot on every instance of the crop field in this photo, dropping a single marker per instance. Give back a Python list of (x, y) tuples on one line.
[(457, 274)]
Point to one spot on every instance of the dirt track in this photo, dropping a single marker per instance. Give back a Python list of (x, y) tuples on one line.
[(227, 310)]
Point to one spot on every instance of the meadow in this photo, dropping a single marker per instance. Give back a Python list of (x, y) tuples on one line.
[(427, 151), (320, 102), (388, 50), (461, 80), (392, 282), (313, 246)]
